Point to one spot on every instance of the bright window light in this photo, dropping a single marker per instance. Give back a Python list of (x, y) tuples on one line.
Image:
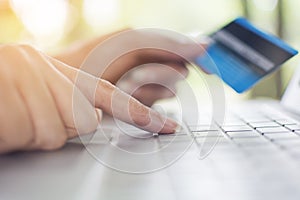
[(267, 5), (44, 19), (99, 13)]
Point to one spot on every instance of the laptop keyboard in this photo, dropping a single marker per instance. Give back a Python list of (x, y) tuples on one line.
[(249, 130)]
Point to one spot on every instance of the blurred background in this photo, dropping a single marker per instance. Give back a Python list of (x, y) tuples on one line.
[(51, 25)]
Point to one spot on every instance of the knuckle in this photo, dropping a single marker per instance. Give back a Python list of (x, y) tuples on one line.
[(106, 85), (85, 121), (27, 47), (28, 138), (13, 59), (10, 51), (7, 47), (184, 72), (17, 136), (106, 91), (89, 127), (15, 49), (30, 50), (20, 62), (181, 70), (51, 142), (13, 138), (167, 94)]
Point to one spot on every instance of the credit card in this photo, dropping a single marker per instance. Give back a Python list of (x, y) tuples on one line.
[(242, 54)]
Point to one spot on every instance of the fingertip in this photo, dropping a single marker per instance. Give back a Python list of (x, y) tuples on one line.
[(169, 127), (161, 124)]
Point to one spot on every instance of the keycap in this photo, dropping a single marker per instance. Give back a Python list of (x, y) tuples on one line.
[(171, 138), (256, 119), (293, 127), (232, 122), (202, 121), (242, 134), (198, 128), (264, 124), (288, 143), (212, 140), (251, 141), (236, 128), (286, 121), (268, 130), (207, 134), (282, 136)]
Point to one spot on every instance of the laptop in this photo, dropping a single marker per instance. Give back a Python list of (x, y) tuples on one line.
[(253, 154)]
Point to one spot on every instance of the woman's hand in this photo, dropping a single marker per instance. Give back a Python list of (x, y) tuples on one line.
[(44, 102), (138, 71)]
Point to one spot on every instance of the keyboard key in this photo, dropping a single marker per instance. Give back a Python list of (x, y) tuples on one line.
[(297, 132), (276, 116), (233, 122), (282, 136), (256, 151), (264, 124), (288, 143), (256, 119), (236, 128), (286, 121), (293, 127), (251, 141), (204, 128), (171, 138), (179, 134), (202, 121), (243, 134), (208, 134), (268, 130), (212, 140), (223, 142)]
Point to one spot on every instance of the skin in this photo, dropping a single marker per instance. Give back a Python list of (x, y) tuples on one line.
[(139, 64), (37, 94)]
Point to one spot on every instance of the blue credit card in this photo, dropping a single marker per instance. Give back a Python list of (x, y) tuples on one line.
[(241, 54)]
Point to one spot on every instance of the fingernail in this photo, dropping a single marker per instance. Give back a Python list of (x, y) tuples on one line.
[(99, 115), (161, 124), (171, 125)]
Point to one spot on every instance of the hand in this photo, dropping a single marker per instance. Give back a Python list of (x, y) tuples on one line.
[(165, 68), (151, 82), (43, 104)]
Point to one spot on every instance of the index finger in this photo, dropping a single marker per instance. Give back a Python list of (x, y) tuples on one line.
[(126, 108), (102, 94)]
